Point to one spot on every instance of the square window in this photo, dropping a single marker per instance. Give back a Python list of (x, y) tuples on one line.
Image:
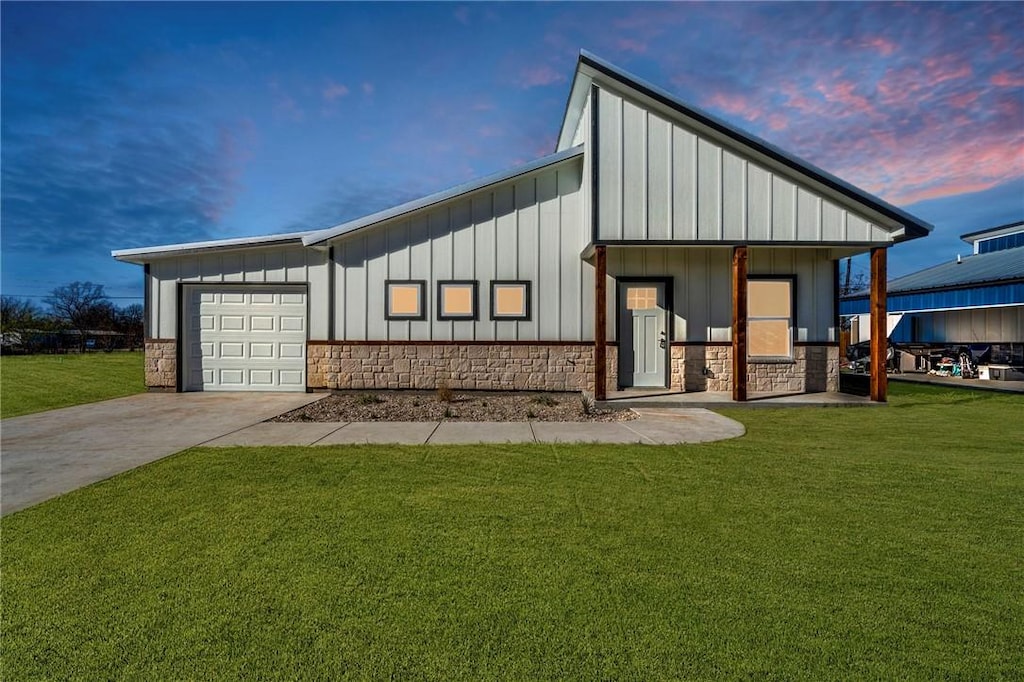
[(456, 300), (770, 318), (403, 300), (641, 298), (510, 300)]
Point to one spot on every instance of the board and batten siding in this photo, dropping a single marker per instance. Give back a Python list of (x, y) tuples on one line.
[(660, 180), (702, 286), (278, 264), (529, 228)]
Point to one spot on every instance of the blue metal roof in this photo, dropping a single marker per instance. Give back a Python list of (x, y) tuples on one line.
[(975, 269), (942, 299)]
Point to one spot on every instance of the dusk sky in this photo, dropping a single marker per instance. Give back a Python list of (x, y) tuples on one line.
[(129, 125)]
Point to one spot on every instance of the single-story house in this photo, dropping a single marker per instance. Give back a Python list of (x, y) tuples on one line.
[(975, 301), (658, 246)]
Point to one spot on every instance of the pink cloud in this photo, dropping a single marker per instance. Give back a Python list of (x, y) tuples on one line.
[(911, 168), (536, 76), (946, 68), (777, 122), (735, 104), (844, 93), (1006, 79), (628, 45), (882, 46), (333, 91), (964, 100), (367, 88), (796, 99)]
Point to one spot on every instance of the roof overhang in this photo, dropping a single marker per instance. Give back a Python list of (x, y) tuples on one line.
[(149, 253), (990, 232)]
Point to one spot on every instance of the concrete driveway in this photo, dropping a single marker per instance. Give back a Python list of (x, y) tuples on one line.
[(50, 453)]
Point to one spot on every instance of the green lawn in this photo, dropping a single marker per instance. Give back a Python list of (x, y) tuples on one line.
[(33, 383), (825, 544)]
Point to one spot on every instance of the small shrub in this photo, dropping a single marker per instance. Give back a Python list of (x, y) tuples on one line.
[(530, 414), (444, 392), (369, 399), (448, 414), (587, 403), (545, 400)]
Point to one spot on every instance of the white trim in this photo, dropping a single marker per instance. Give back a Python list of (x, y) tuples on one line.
[(147, 253), (978, 237), (944, 310)]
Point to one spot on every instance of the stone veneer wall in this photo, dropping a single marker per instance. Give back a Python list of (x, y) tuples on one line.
[(161, 363), (814, 369), (482, 366)]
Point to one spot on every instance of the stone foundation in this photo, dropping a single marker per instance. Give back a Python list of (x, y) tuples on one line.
[(709, 368), (161, 363), (491, 366)]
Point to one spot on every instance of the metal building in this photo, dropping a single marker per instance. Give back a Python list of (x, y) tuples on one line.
[(975, 301), (658, 246)]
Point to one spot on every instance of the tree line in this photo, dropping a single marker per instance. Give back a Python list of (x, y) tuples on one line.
[(78, 315)]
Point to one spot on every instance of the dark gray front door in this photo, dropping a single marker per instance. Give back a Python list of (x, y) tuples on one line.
[(643, 339)]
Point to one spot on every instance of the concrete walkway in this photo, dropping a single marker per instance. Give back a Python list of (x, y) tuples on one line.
[(654, 427), (50, 453), (639, 398)]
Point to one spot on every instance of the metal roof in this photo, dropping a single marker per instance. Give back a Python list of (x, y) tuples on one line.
[(995, 266), (915, 227), (971, 237), (321, 236), (146, 253)]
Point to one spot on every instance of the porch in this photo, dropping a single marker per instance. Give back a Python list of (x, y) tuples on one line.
[(666, 399), (726, 323)]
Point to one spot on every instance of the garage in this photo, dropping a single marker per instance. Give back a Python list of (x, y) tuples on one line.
[(244, 337)]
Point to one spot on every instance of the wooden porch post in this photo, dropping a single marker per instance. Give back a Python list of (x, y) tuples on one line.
[(739, 323), (879, 325), (600, 323)]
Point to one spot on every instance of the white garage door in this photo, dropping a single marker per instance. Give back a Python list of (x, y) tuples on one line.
[(244, 338)]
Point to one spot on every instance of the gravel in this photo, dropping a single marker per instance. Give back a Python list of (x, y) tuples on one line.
[(415, 406)]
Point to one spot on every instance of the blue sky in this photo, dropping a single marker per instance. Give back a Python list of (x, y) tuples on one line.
[(149, 123)]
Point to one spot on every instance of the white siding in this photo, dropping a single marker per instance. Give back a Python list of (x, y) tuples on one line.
[(978, 325), (657, 174), (702, 286), (529, 228), (292, 264)]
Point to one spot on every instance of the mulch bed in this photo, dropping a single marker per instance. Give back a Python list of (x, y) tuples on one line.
[(415, 406)]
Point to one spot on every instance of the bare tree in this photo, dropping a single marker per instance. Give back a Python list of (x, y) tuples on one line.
[(853, 282), (17, 314), (19, 319), (81, 306), (129, 323)]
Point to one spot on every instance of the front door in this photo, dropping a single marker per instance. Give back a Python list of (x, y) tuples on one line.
[(643, 340)]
